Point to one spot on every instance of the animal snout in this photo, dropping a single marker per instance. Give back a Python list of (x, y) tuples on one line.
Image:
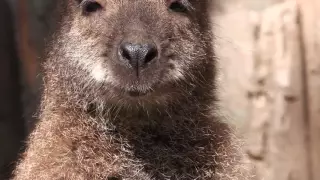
[(138, 55)]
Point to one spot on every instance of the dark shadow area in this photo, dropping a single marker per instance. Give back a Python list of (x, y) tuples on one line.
[(12, 128), (43, 22)]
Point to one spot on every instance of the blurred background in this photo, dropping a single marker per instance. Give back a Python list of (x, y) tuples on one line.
[(269, 74)]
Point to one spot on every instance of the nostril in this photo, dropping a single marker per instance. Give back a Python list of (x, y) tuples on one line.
[(152, 53), (125, 53)]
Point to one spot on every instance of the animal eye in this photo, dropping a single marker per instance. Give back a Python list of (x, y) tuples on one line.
[(177, 6), (90, 6)]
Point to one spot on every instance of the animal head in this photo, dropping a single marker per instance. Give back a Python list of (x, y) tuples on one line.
[(136, 49)]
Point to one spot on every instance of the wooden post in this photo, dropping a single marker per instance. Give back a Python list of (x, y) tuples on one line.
[(278, 138), (310, 13)]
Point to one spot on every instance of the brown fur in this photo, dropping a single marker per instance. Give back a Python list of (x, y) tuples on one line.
[(91, 128)]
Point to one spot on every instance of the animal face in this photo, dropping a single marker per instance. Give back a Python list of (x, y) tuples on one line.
[(138, 48)]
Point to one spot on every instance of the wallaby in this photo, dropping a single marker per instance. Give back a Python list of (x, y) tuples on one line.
[(130, 94)]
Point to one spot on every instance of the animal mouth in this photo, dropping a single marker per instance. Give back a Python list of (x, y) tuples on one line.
[(136, 93)]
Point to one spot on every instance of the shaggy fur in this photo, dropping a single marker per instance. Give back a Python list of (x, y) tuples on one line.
[(93, 127)]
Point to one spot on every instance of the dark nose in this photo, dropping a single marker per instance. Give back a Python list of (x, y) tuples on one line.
[(138, 55)]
